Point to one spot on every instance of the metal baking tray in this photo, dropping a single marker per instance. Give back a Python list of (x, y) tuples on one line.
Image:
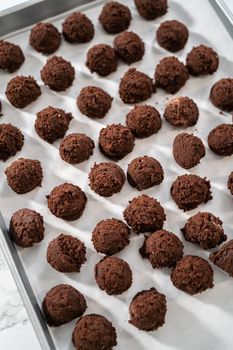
[(11, 20)]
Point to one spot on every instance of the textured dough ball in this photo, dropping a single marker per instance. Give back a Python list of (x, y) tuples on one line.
[(26, 227), (110, 236), (192, 275), (202, 60), (106, 179), (144, 172), (151, 9), (11, 56), (172, 35), (78, 28), (76, 148), (115, 17), (223, 257), (66, 253), (181, 112), (45, 38), (102, 59), (57, 73), (11, 141), (113, 275), (23, 175), (129, 47), (94, 102), (21, 91), (230, 182), (144, 214), (221, 94), (220, 140), (67, 202)]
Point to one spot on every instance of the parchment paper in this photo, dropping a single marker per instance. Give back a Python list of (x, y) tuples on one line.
[(200, 322)]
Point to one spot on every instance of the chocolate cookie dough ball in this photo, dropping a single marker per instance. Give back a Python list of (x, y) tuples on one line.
[(192, 275), (189, 191), (102, 59), (144, 121), (202, 60), (11, 141), (181, 112), (144, 214), (162, 249), (63, 304), (78, 28), (94, 102), (110, 236), (115, 17), (230, 183), (21, 91), (204, 229), (94, 332), (23, 175), (45, 38), (106, 179), (172, 35), (220, 140), (144, 172), (67, 202), (151, 9), (113, 275), (57, 73), (75, 148), (223, 257), (116, 141), (135, 86), (129, 47), (171, 74), (26, 227), (11, 56), (52, 123), (66, 253), (148, 310), (188, 150), (221, 94)]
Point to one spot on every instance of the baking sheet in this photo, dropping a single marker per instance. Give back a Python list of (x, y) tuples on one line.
[(203, 321)]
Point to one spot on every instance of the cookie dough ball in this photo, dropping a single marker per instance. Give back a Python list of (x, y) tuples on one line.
[(181, 112), (220, 140), (67, 202), (106, 179), (144, 214), (66, 253), (113, 275), (102, 59), (78, 28), (116, 141), (110, 236), (52, 123), (144, 172), (188, 150), (189, 191), (162, 249), (230, 183), (26, 227), (172, 35), (63, 304), (45, 38), (21, 91), (129, 47), (94, 332), (204, 229), (11, 141), (11, 56), (202, 60), (75, 148), (115, 17), (151, 9), (23, 175), (135, 86), (94, 102), (221, 94), (57, 73), (148, 310), (192, 275), (223, 258), (144, 121), (171, 74)]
